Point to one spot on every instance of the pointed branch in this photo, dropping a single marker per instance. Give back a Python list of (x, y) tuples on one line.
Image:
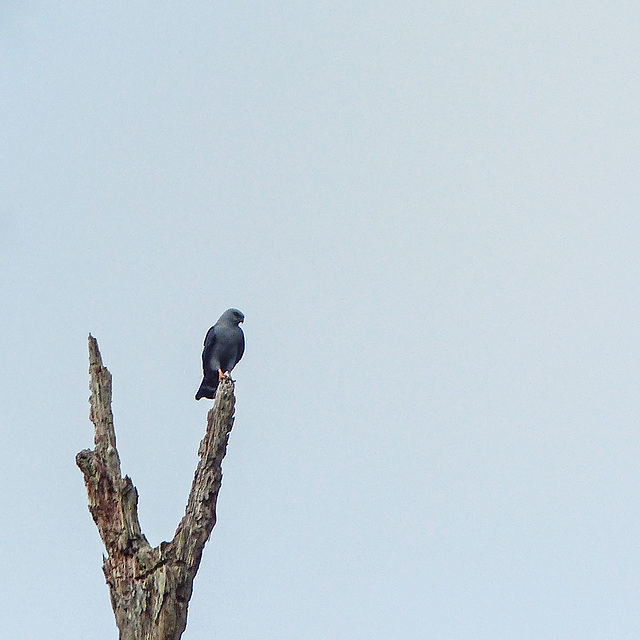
[(200, 515), (113, 500)]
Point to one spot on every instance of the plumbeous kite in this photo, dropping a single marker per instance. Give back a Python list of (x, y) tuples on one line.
[(223, 348)]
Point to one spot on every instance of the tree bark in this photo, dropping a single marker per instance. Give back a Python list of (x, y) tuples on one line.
[(150, 588)]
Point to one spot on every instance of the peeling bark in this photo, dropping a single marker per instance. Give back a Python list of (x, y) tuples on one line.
[(150, 587)]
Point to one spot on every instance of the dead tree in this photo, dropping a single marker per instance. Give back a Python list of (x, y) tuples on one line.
[(150, 587)]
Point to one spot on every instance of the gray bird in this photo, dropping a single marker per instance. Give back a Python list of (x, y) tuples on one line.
[(223, 348)]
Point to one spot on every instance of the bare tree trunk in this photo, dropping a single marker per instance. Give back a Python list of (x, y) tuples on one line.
[(150, 587)]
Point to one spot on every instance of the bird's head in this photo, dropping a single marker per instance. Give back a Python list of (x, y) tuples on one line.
[(233, 316)]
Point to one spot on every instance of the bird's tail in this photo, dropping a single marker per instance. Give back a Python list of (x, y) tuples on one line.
[(207, 389)]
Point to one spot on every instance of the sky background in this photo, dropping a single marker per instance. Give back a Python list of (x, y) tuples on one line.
[(428, 213)]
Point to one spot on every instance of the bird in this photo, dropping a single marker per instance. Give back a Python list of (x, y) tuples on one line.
[(223, 348)]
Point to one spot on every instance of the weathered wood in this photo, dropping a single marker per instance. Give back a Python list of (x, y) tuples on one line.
[(150, 588)]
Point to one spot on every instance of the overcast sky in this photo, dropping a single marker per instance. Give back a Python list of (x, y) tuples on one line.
[(428, 213)]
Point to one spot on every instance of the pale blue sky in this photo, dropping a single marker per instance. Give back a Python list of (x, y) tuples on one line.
[(428, 213)]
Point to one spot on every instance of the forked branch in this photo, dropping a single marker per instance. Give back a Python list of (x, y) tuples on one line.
[(150, 587)]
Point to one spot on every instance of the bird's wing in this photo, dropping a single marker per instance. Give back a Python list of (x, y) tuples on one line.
[(240, 347), (209, 345), (210, 337)]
